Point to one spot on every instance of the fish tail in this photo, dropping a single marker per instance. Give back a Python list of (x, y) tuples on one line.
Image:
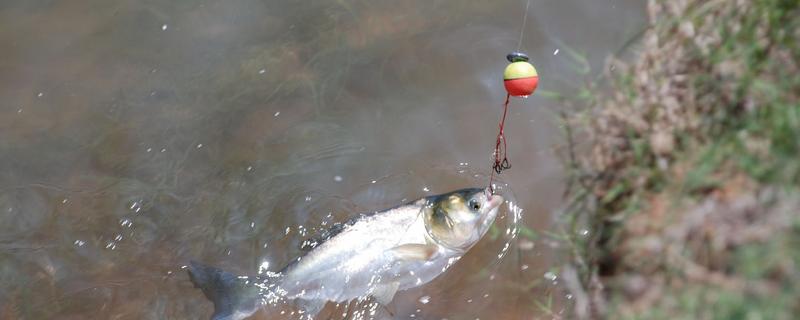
[(234, 297)]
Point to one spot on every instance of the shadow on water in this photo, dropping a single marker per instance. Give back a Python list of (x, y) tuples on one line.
[(136, 135)]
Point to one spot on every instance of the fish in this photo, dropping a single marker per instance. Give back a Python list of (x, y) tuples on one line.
[(373, 255)]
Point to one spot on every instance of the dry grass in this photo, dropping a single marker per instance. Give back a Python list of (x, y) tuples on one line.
[(690, 187)]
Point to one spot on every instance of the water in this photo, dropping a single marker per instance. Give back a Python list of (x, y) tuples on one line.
[(136, 135)]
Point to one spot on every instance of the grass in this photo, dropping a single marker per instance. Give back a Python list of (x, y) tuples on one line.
[(689, 187)]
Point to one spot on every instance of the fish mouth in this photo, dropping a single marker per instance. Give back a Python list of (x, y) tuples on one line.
[(492, 205), (494, 202)]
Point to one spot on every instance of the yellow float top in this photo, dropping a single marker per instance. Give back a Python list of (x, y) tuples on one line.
[(518, 70)]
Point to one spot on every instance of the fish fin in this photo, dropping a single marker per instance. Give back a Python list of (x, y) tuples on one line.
[(312, 307), (413, 251), (233, 299), (384, 293)]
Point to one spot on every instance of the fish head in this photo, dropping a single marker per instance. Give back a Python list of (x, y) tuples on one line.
[(457, 220)]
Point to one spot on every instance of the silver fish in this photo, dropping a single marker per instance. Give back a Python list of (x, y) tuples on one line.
[(375, 254)]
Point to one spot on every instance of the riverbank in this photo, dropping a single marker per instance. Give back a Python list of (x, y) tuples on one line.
[(685, 203)]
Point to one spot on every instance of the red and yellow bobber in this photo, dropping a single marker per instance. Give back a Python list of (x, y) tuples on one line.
[(520, 77)]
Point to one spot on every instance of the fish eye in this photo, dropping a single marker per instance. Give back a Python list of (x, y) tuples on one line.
[(474, 205)]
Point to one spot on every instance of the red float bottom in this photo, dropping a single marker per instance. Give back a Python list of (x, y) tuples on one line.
[(521, 87)]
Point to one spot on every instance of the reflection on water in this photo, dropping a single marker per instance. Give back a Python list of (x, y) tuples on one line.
[(136, 135)]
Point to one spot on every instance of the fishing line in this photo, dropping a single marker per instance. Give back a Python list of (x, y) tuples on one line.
[(500, 148), (524, 20), (520, 80)]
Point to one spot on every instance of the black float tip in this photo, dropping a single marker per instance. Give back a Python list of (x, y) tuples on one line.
[(517, 56)]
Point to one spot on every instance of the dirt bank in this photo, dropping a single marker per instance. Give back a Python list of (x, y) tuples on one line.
[(689, 191)]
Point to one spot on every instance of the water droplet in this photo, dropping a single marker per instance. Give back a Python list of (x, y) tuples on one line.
[(149, 149), (425, 189), (199, 145), (79, 243), (525, 244), (425, 299), (19, 111), (555, 52), (264, 267), (262, 71), (41, 94), (337, 178), (277, 113), (64, 201), (485, 295), (524, 267), (288, 229), (373, 181), (252, 224), (308, 198), (550, 276), (164, 27), (469, 300), (584, 232), (164, 150)]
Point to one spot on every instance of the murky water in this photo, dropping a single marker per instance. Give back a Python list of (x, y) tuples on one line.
[(137, 135)]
